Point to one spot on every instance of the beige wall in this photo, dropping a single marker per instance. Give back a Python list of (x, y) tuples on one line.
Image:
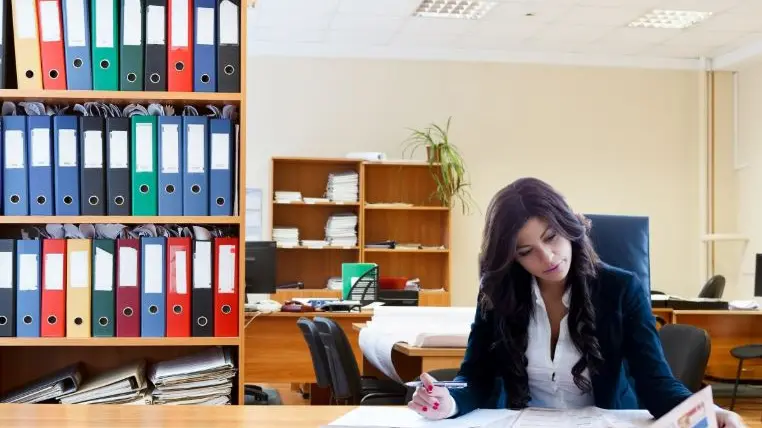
[(612, 140)]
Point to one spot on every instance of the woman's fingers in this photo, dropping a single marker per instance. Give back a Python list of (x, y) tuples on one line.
[(422, 397)]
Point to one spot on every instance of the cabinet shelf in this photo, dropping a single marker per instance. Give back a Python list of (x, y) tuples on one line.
[(119, 341), (119, 97), (86, 219)]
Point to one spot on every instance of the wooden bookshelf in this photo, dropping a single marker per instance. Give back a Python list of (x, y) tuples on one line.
[(396, 202), (189, 220)]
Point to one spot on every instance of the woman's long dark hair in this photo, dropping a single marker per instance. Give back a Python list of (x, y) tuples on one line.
[(505, 288)]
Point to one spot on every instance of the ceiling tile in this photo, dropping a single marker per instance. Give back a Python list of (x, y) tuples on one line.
[(518, 31), (605, 47), (509, 13), (747, 7), (603, 16), (570, 34), (626, 35), (358, 38), (732, 21), (490, 44), (375, 7), (366, 23), (440, 26), (417, 40), (296, 6), (706, 38), (282, 34), (714, 6), (296, 19)]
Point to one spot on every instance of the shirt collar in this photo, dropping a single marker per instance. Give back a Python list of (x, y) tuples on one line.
[(538, 297)]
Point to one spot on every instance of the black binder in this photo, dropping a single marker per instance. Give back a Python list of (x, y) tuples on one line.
[(229, 46), (92, 179), (155, 54), (7, 288), (260, 267), (202, 296), (118, 192)]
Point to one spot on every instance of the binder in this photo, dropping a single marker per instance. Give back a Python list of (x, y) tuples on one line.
[(103, 288), (15, 179), (152, 287), (203, 296), (195, 166), (8, 288), (39, 147), (131, 46), (78, 280), (178, 293), (221, 166), (77, 44), (66, 177), (127, 288), (104, 40), (118, 180), (53, 312), (228, 46), (180, 47), (52, 57), (92, 172), (26, 44), (156, 46), (28, 295), (170, 162), (226, 287), (204, 46), (143, 168), (5, 50)]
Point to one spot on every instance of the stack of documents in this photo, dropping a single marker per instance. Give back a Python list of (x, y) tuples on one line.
[(343, 187), (334, 283), (286, 236), (48, 387), (314, 243), (123, 385), (341, 230), (202, 378), (285, 197)]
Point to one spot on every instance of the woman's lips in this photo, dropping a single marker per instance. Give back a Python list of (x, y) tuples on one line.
[(554, 268)]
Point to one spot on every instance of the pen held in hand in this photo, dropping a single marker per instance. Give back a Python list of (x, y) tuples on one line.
[(443, 384)]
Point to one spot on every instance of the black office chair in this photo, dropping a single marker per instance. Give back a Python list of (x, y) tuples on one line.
[(317, 352), (438, 374), (348, 386), (745, 352), (687, 350), (713, 288)]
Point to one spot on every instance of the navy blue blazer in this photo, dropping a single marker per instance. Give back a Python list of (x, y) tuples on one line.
[(626, 331)]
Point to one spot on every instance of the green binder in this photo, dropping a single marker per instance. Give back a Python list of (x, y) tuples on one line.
[(103, 269), (104, 36), (352, 272), (131, 46), (144, 165)]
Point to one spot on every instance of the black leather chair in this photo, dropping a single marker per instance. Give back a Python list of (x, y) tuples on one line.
[(348, 386), (687, 350), (317, 353), (713, 288)]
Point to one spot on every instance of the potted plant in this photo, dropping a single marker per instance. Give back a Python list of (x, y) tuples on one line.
[(446, 164)]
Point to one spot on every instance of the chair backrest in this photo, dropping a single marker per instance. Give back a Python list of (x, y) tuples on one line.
[(438, 374), (623, 241), (713, 288), (345, 374), (687, 350), (317, 351)]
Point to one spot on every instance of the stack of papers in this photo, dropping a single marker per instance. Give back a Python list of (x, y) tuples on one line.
[(286, 236), (335, 283), (341, 230), (285, 197), (203, 378), (401, 417), (343, 187), (314, 243), (124, 385), (48, 387)]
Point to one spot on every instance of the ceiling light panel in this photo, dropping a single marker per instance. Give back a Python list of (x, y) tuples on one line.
[(459, 9), (674, 19)]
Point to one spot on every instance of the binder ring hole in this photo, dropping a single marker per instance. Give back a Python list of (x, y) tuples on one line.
[(144, 188), (103, 321), (179, 66), (93, 200), (220, 202), (205, 78), (15, 199), (196, 189), (132, 77), (78, 321), (28, 319), (229, 70), (3, 320), (226, 309), (177, 309), (29, 74), (155, 78), (170, 189), (105, 64), (153, 309), (68, 200), (202, 321), (41, 200), (53, 74), (127, 311), (52, 319), (77, 62), (119, 200)]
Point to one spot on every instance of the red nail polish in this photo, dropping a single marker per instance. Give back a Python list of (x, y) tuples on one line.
[(436, 406), (425, 409), (431, 388)]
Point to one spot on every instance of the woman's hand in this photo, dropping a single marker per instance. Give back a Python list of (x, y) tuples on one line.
[(728, 419), (432, 402)]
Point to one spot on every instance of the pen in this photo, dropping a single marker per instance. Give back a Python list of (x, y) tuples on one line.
[(444, 384)]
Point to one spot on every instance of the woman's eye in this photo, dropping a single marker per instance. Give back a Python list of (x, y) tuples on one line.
[(550, 237), (524, 253)]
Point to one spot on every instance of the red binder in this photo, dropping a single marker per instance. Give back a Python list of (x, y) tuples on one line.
[(51, 44), (128, 288), (225, 287), (180, 46), (53, 304), (179, 253)]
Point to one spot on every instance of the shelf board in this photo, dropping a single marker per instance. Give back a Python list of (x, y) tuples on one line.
[(406, 250), (326, 248), (120, 219), (119, 96), (406, 208), (319, 204), (120, 341)]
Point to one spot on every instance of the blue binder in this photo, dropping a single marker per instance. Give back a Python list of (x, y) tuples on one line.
[(28, 295), (15, 178), (195, 166), (221, 167), (170, 165), (66, 165), (76, 25), (39, 147), (204, 46), (153, 290)]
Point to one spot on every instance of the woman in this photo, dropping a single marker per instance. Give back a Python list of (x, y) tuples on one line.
[(554, 325)]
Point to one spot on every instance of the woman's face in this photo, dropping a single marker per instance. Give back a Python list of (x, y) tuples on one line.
[(542, 251)]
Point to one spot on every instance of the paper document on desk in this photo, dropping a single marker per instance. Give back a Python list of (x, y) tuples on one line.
[(402, 417)]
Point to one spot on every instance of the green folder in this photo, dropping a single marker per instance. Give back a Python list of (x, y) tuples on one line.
[(104, 37), (131, 46), (103, 269), (144, 166), (351, 272)]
